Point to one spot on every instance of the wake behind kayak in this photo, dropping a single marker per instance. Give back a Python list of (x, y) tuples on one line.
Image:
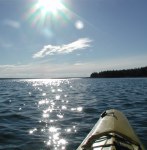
[(112, 132)]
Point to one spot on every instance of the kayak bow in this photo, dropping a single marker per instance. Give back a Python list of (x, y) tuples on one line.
[(112, 132)]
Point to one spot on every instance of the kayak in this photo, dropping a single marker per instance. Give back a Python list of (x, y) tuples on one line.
[(112, 132)]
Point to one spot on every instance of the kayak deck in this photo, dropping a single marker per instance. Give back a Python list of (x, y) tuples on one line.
[(112, 132), (112, 142)]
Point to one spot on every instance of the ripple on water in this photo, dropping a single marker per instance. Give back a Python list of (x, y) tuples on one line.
[(58, 114)]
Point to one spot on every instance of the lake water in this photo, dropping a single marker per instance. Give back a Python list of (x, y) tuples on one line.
[(57, 114)]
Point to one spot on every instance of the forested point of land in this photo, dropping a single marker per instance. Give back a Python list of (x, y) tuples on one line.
[(137, 72)]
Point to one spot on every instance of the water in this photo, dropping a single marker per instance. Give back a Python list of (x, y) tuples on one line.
[(58, 113)]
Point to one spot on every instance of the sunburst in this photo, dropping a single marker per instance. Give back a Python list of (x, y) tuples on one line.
[(50, 6), (48, 12)]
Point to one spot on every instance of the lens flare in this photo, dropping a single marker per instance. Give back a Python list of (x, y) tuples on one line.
[(79, 25)]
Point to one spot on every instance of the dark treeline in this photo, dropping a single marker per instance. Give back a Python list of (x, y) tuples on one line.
[(138, 72)]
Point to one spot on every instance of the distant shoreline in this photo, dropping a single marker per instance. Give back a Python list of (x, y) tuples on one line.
[(64, 78), (128, 73), (44, 78), (125, 73)]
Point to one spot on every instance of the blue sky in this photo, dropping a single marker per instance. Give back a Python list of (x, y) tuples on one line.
[(71, 38)]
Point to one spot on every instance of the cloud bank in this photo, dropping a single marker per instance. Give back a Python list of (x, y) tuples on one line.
[(77, 69), (63, 49)]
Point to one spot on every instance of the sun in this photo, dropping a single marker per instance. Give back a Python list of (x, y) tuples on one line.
[(47, 13), (50, 6)]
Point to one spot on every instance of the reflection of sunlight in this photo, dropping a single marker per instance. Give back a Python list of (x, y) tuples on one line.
[(60, 116), (41, 102), (64, 107), (45, 115), (59, 90), (62, 142), (52, 103), (47, 82), (56, 136), (32, 131), (49, 143), (57, 97), (43, 94), (68, 130), (48, 110), (55, 140), (53, 129), (78, 109), (42, 130), (51, 121), (53, 90)]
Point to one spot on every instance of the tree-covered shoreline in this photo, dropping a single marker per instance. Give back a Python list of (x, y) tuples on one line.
[(137, 72)]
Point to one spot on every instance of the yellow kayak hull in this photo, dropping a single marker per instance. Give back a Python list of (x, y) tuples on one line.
[(112, 129)]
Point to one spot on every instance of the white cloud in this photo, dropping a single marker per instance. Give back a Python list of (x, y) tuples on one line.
[(63, 49), (12, 23)]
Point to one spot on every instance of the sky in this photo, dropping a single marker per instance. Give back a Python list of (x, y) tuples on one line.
[(71, 38)]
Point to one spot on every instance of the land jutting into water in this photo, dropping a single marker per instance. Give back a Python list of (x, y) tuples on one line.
[(137, 72)]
